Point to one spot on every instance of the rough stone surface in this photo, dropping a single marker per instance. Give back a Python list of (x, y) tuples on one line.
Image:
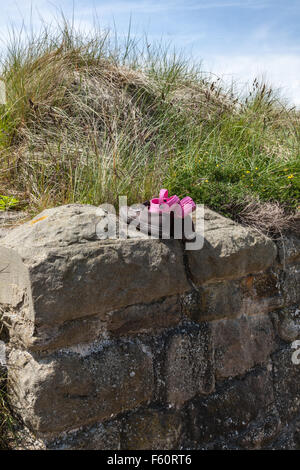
[(132, 320), (57, 228), (155, 429), (229, 299), (289, 249), (287, 323), (261, 292), (60, 253), (152, 429), (289, 437), (210, 302), (101, 436), (230, 251), (286, 384), (3, 232), (189, 365), (71, 389), (14, 281), (290, 281), (143, 318), (9, 220), (24, 334), (260, 433), (225, 415), (241, 344)]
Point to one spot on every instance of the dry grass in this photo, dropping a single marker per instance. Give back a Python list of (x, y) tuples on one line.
[(268, 217)]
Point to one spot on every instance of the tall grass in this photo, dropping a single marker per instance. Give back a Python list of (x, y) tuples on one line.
[(88, 119), (7, 422)]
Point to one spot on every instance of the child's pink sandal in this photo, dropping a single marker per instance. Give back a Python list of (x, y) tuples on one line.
[(165, 204), (158, 218)]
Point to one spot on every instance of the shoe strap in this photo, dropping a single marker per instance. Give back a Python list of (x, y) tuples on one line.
[(187, 205), (163, 194)]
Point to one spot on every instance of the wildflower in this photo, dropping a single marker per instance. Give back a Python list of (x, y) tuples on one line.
[(256, 168), (217, 165), (206, 181), (247, 171), (290, 176)]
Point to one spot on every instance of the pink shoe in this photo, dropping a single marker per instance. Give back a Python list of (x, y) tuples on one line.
[(165, 204), (158, 216), (187, 206)]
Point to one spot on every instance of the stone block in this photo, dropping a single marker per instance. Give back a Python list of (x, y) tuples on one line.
[(213, 301), (287, 323), (100, 436), (241, 344), (230, 251), (290, 285), (189, 367), (227, 413), (129, 321), (289, 249), (251, 295), (79, 386), (143, 318), (151, 430), (262, 431), (67, 273), (286, 376), (288, 439)]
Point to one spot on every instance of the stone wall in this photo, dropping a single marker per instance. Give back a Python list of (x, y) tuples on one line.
[(139, 344)]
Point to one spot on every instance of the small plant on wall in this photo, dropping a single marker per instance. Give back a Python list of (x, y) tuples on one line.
[(8, 202)]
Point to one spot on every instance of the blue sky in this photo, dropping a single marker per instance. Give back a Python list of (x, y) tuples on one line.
[(236, 39)]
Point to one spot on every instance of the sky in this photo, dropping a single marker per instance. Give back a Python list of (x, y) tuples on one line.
[(235, 39)]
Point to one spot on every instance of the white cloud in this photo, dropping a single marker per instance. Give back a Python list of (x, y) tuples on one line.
[(279, 70)]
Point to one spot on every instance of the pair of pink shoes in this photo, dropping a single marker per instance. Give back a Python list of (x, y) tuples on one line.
[(165, 204), (162, 217)]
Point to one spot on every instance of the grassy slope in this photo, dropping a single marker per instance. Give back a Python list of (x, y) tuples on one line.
[(86, 121)]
